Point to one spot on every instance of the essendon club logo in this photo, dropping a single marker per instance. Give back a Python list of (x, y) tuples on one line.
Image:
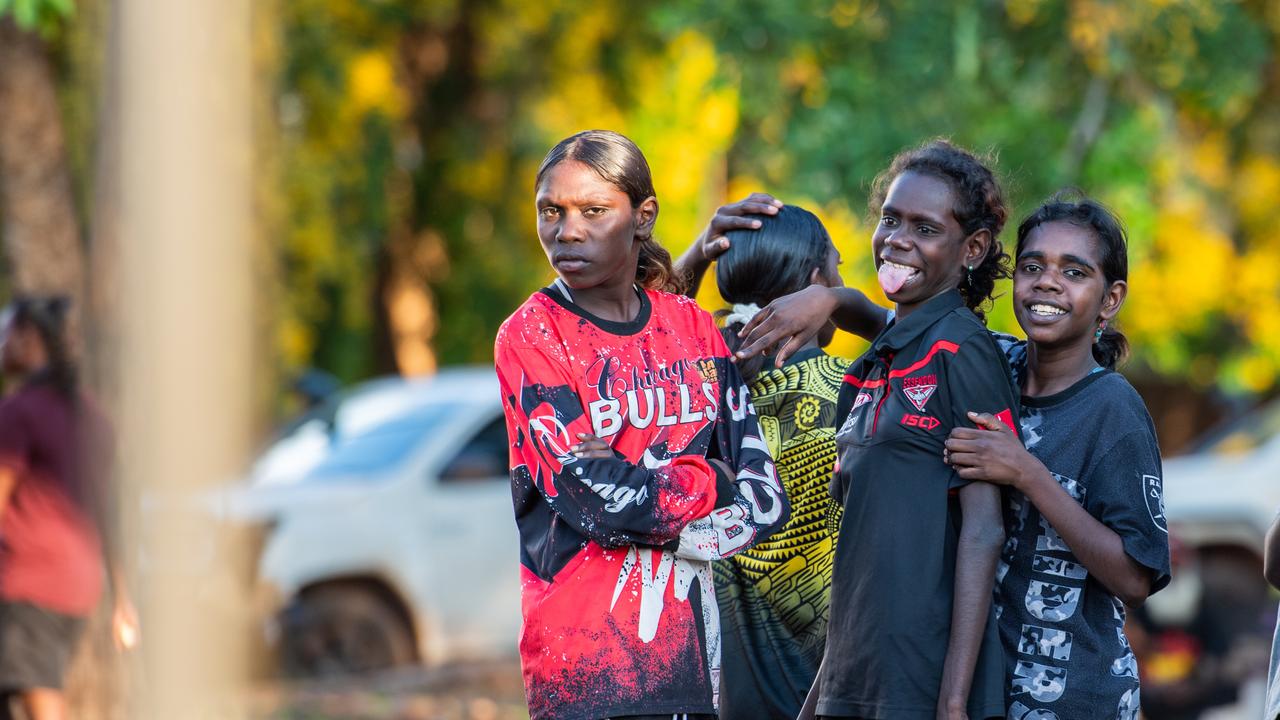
[(919, 389)]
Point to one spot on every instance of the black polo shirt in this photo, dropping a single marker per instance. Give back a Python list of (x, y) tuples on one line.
[(894, 578)]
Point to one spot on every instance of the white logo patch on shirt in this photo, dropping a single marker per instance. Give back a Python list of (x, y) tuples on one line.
[(1154, 494)]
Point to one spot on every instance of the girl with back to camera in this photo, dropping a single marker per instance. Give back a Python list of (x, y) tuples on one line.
[(774, 596), (636, 454)]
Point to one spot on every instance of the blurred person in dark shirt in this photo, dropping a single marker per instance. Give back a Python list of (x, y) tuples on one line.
[(1271, 569), (56, 451)]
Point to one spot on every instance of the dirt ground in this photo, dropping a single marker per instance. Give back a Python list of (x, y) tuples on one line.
[(465, 691)]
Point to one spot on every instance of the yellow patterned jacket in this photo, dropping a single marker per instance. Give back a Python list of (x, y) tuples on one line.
[(773, 597)]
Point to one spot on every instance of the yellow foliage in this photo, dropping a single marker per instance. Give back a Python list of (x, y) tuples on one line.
[(371, 83), (296, 341), (1256, 372), (1209, 159), (1258, 275), (1256, 188), (1092, 24), (483, 176), (582, 103), (1187, 276), (851, 235), (1263, 325), (684, 122), (1023, 12)]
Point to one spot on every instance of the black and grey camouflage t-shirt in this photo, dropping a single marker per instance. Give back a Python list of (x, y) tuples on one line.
[(1066, 654)]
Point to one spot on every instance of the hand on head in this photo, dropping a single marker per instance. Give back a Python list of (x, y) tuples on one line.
[(735, 216)]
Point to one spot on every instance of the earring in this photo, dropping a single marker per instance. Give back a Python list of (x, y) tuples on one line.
[(969, 276), (1098, 335)]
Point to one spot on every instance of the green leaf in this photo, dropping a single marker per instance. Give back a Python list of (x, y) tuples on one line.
[(25, 13), (63, 8)]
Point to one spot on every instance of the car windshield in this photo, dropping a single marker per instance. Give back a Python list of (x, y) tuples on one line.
[(380, 448), (1246, 434)]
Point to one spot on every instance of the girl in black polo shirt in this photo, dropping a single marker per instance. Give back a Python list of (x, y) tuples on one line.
[(911, 633)]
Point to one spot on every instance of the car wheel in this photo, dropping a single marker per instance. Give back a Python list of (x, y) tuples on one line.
[(343, 630)]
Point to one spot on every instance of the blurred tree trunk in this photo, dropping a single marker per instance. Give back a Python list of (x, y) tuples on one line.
[(44, 254), (40, 229)]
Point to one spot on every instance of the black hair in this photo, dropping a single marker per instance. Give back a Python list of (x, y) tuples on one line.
[(979, 204), (1076, 208), (767, 263), (47, 315), (619, 162)]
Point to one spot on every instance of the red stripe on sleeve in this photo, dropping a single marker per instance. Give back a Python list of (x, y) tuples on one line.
[(940, 345), (859, 383)]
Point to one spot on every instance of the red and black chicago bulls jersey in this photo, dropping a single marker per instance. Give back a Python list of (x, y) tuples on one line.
[(894, 579), (620, 613)]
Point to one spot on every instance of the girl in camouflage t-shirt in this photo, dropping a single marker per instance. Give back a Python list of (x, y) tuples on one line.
[(1085, 525)]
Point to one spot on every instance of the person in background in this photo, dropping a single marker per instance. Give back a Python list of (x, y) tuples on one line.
[(636, 454), (1271, 569), (774, 597), (55, 459)]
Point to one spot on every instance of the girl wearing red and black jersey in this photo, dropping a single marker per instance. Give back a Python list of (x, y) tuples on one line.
[(636, 454)]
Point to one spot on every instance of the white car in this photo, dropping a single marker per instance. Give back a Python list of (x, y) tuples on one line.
[(1227, 489), (394, 541)]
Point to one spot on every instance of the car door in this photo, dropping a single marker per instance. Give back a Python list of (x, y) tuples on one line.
[(473, 535)]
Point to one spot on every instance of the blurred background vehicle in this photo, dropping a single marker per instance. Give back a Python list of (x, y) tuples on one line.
[(1204, 642), (390, 538), (363, 170), (1227, 487)]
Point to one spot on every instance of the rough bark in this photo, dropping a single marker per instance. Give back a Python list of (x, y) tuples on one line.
[(38, 221), (40, 230)]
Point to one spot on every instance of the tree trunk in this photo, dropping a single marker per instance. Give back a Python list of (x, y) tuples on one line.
[(41, 234), (40, 229)]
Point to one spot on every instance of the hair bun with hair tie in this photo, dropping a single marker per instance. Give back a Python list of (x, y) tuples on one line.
[(741, 314)]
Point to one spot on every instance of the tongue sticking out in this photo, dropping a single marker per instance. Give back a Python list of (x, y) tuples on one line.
[(892, 278)]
